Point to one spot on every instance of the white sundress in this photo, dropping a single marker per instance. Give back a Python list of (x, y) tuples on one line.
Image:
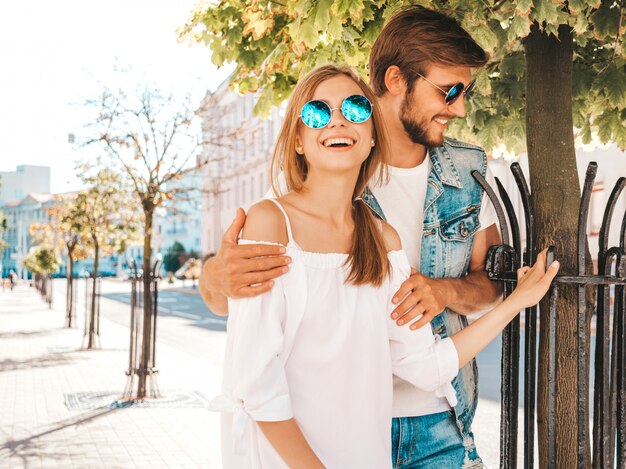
[(323, 352)]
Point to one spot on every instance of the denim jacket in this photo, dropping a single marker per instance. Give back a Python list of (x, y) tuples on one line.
[(451, 209)]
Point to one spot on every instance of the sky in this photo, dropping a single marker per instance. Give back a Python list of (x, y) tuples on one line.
[(54, 55)]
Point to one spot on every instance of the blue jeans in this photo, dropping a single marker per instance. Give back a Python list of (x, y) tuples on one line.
[(433, 442)]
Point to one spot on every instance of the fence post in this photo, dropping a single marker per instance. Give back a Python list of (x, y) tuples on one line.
[(609, 422)]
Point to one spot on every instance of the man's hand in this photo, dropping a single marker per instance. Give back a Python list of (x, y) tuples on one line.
[(419, 294), (240, 271)]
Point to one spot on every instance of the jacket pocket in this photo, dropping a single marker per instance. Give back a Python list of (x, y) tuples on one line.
[(460, 227)]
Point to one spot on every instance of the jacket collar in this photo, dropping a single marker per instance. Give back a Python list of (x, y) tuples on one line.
[(444, 166)]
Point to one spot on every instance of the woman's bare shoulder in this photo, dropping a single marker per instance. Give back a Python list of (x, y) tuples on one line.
[(265, 222)]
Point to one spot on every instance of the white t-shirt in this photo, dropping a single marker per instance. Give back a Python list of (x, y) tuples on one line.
[(402, 201)]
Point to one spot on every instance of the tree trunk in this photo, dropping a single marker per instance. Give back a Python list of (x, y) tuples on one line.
[(556, 195), (91, 341), (147, 337), (70, 287)]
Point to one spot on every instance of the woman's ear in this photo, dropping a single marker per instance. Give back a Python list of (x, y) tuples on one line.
[(299, 148), (394, 81)]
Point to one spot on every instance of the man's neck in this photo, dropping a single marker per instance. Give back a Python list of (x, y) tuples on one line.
[(405, 153)]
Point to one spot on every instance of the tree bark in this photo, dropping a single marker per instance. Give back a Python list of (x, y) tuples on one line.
[(70, 284), (91, 341), (70, 287), (556, 196), (146, 345)]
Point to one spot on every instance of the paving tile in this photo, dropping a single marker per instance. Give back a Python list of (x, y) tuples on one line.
[(41, 362)]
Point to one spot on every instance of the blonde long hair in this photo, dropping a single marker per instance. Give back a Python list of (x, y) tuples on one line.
[(368, 255)]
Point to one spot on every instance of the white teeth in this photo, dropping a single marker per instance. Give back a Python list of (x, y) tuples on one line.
[(338, 141), (441, 121)]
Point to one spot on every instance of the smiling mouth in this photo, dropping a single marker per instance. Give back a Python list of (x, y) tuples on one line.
[(441, 121), (340, 142)]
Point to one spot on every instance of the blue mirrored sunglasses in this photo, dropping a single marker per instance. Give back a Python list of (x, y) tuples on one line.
[(316, 114), (453, 93)]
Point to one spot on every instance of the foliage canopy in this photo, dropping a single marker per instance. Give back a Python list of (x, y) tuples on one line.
[(273, 43)]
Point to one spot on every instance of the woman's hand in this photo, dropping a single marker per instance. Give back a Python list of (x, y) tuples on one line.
[(533, 282)]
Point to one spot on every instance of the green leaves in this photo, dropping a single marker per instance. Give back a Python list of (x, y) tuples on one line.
[(258, 24), (545, 11), (275, 43), (485, 37), (611, 127), (519, 28), (614, 81), (605, 20)]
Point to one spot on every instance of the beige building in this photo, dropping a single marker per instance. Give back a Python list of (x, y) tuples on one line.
[(21, 214), (16, 185), (239, 151)]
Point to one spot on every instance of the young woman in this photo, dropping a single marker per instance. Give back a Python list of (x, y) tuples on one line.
[(308, 373)]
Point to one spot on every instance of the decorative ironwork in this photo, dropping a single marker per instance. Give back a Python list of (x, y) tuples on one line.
[(135, 370), (609, 416)]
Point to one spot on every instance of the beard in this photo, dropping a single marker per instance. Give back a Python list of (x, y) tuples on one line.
[(417, 130)]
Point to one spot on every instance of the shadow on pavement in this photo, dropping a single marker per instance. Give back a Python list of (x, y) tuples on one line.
[(30, 450), (41, 361), (20, 334)]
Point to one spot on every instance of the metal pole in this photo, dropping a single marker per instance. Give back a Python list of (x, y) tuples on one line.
[(583, 371), (620, 305), (602, 457)]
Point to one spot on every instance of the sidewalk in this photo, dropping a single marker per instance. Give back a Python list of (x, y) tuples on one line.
[(42, 367)]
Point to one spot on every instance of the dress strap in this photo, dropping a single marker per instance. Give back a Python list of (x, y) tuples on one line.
[(287, 222)]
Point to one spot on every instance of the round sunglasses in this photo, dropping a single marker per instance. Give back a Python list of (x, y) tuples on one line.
[(455, 92), (316, 114)]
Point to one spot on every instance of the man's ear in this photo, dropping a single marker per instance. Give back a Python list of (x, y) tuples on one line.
[(394, 81)]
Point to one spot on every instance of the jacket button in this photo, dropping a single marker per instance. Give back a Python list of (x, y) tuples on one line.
[(464, 231)]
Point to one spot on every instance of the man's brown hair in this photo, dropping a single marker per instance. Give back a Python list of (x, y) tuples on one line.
[(413, 39)]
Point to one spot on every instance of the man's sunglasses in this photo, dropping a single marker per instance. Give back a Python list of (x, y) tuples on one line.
[(316, 114), (453, 93)]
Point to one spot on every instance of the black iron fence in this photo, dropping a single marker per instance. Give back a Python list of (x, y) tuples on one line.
[(136, 370), (609, 412)]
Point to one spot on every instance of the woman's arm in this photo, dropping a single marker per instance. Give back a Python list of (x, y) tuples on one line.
[(256, 330), (429, 364), (289, 442), (532, 285)]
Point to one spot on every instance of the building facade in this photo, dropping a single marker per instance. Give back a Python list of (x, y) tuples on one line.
[(238, 150), (20, 215), (181, 219), (35, 209), (16, 185)]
